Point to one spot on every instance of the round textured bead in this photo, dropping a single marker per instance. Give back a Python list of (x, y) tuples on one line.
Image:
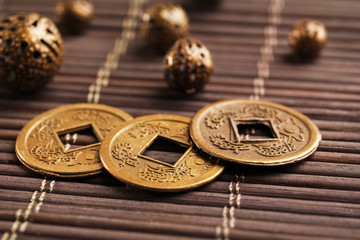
[(163, 24), (307, 38), (188, 65), (74, 16), (31, 51)]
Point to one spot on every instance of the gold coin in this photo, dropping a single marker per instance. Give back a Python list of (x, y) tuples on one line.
[(39, 146), (122, 154), (254, 132)]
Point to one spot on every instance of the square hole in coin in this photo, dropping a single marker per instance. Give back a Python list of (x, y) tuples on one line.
[(78, 137), (254, 131), (165, 150)]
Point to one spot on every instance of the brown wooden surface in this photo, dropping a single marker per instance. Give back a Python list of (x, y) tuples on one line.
[(318, 198)]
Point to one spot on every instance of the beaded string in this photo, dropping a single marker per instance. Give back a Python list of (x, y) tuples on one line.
[(222, 231), (266, 51), (120, 48)]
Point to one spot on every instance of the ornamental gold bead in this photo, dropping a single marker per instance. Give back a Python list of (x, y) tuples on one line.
[(188, 65), (31, 51), (164, 23), (74, 16), (307, 38)]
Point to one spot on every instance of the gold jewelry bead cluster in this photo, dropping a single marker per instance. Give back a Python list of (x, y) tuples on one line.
[(31, 51), (163, 24), (74, 15), (307, 38), (188, 64)]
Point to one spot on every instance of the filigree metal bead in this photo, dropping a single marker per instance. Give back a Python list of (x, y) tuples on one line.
[(188, 65), (74, 16), (31, 51), (307, 38), (164, 23)]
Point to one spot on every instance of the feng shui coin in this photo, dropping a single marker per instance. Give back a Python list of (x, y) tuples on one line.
[(39, 145), (254, 132), (123, 155)]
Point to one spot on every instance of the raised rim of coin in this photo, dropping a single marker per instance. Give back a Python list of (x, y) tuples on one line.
[(33, 164), (205, 145), (121, 173)]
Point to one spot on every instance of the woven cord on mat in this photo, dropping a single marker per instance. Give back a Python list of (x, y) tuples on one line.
[(263, 72), (317, 198)]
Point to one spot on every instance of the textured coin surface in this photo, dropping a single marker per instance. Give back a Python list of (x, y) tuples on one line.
[(226, 130), (39, 147), (122, 153)]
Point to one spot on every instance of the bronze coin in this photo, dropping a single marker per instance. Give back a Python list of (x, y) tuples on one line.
[(254, 132), (39, 147), (122, 154)]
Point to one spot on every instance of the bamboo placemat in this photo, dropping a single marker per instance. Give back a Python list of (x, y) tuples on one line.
[(317, 198)]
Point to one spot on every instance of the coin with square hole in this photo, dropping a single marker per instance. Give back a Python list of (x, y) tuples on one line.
[(254, 132), (65, 141), (156, 153)]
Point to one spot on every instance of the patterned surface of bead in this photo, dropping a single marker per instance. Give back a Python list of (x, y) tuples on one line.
[(164, 23), (188, 65), (31, 51), (307, 38), (74, 15)]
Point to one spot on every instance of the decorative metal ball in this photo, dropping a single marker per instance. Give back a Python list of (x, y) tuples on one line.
[(74, 16), (307, 38), (31, 51), (163, 24), (188, 65)]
